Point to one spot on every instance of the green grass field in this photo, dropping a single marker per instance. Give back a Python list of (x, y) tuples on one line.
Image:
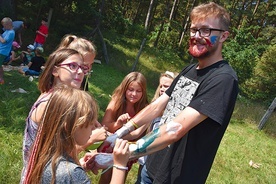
[(242, 141)]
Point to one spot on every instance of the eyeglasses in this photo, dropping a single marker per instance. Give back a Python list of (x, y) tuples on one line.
[(203, 32), (75, 66)]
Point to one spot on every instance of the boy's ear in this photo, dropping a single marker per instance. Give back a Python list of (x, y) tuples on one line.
[(224, 36)]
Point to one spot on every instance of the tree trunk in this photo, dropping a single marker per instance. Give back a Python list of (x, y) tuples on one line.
[(149, 15), (254, 12), (240, 17), (138, 55), (104, 46), (172, 13), (135, 18), (263, 20), (162, 25), (186, 22)]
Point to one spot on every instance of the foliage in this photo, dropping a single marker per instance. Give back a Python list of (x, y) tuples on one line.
[(242, 52), (262, 85)]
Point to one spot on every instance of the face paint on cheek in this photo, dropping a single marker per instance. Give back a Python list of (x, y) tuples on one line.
[(213, 40)]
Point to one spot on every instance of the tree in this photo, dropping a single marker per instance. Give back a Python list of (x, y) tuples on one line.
[(262, 85), (242, 52)]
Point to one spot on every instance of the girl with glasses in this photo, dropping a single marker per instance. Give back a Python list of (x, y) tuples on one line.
[(68, 119), (57, 71)]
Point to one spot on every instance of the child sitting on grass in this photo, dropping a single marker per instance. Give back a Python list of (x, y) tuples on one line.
[(34, 67), (27, 56)]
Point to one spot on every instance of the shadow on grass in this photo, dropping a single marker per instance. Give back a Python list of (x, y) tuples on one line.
[(14, 105)]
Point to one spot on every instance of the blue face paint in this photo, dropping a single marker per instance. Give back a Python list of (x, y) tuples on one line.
[(213, 39)]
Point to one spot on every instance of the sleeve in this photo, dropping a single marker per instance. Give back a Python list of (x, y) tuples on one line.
[(9, 37), (216, 96), (80, 176)]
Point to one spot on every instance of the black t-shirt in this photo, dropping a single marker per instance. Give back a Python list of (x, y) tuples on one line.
[(37, 62), (211, 91)]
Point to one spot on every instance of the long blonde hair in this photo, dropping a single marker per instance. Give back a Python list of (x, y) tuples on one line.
[(82, 45), (67, 109), (168, 74), (119, 94)]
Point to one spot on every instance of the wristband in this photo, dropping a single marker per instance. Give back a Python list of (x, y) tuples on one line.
[(134, 124), (121, 167)]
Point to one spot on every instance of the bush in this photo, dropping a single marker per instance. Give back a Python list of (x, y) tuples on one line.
[(262, 85)]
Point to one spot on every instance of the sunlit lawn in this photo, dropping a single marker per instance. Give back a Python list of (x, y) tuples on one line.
[(242, 141)]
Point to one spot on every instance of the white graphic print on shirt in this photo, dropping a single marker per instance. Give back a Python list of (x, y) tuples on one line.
[(180, 98)]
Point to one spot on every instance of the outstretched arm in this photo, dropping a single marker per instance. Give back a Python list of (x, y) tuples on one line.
[(167, 133), (145, 116)]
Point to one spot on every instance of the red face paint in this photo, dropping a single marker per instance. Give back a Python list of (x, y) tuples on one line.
[(199, 47)]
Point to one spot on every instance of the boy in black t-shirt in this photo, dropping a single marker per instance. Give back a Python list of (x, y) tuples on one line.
[(34, 67)]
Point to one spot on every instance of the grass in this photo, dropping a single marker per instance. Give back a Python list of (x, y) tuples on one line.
[(242, 141)]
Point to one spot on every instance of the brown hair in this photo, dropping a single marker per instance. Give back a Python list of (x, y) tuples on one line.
[(46, 80), (211, 9), (119, 94), (68, 108)]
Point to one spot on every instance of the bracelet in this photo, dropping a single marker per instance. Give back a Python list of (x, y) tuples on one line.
[(121, 167), (134, 124)]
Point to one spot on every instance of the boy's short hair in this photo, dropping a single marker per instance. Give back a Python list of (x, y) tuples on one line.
[(214, 10), (45, 19), (31, 47), (39, 50), (6, 21)]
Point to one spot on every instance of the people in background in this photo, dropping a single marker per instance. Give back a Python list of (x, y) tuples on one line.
[(27, 55), (6, 40), (13, 55), (41, 34), (18, 27), (34, 67)]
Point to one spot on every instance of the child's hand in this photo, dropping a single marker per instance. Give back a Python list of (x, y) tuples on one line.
[(121, 120), (121, 152), (87, 162), (98, 134)]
